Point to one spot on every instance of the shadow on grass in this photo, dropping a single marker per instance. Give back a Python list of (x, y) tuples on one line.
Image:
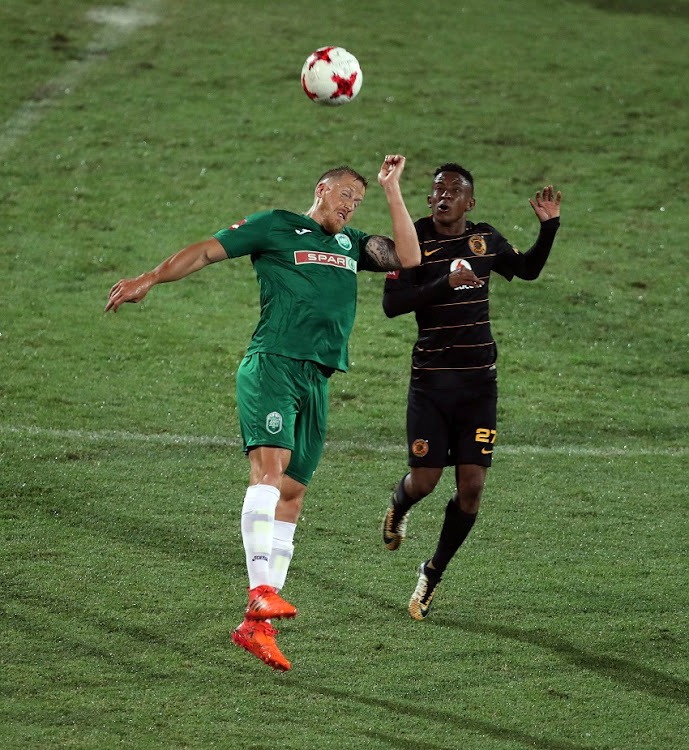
[(669, 8), (427, 713), (622, 671), (402, 743), (213, 553)]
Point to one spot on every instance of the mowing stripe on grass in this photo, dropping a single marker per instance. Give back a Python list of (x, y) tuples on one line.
[(117, 25), (166, 438)]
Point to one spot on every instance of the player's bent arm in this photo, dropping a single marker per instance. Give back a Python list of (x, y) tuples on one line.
[(406, 241), (534, 259), (183, 263), (412, 298), (381, 254), (385, 254)]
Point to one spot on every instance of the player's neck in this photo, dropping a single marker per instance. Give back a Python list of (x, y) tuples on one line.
[(451, 230)]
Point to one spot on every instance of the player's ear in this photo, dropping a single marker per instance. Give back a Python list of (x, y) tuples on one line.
[(428, 200), (471, 203)]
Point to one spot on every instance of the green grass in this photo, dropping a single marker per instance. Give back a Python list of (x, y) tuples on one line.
[(562, 624)]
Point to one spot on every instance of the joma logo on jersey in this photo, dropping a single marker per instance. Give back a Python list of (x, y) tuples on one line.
[(325, 259)]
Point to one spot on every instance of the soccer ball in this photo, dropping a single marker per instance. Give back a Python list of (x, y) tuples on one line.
[(332, 76), (456, 263)]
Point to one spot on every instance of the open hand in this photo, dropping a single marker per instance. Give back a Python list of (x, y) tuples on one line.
[(546, 205)]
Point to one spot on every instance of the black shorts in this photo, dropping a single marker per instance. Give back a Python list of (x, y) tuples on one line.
[(452, 427)]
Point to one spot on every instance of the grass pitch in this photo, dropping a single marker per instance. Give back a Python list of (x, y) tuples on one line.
[(128, 132)]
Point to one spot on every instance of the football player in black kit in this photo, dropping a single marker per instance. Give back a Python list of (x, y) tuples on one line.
[(451, 405)]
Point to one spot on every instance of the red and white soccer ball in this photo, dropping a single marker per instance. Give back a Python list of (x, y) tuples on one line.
[(332, 76), (456, 263)]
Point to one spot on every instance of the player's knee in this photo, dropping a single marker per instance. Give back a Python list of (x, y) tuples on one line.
[(268, 465), (271, 477), (421, 485), (469, 496)]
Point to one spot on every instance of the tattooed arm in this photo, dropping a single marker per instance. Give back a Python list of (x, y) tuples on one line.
[(381, 255)]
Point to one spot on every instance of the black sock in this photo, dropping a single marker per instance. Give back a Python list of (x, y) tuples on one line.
[(456, 528), (401, 502)]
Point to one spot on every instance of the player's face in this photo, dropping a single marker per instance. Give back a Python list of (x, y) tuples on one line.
[(451, 197), (337, 199)]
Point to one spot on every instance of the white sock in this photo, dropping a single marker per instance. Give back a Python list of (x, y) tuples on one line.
[(281, 553), (258, 518)]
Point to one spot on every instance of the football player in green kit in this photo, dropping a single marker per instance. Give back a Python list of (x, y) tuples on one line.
[(306, 265)]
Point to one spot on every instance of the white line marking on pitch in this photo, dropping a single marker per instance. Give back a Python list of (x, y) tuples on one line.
[(117, 24), (123, 436)]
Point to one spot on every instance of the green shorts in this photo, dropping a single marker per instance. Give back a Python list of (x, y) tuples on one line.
[(283, 402)]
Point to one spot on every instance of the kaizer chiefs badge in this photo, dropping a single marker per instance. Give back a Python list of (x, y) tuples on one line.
[(477, 244), (419, 448)]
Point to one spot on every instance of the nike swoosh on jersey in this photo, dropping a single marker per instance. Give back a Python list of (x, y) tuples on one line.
[(302, 231), (484, 450), (430, 252)]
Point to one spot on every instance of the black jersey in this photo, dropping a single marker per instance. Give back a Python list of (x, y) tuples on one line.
[(454, 341)]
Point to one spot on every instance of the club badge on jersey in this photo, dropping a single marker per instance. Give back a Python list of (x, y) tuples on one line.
[(477, 244)]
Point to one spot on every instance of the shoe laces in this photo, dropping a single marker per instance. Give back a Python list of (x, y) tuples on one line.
[(261, 591), (427, 583)]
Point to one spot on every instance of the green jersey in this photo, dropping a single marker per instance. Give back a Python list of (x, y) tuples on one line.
[(308, 284)]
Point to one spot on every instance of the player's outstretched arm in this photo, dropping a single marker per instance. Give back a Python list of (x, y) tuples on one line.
[(406, 243), (546, 204), (192, 258)]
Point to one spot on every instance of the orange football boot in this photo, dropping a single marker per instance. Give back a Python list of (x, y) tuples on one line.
[(265, 604), (258, 638)]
